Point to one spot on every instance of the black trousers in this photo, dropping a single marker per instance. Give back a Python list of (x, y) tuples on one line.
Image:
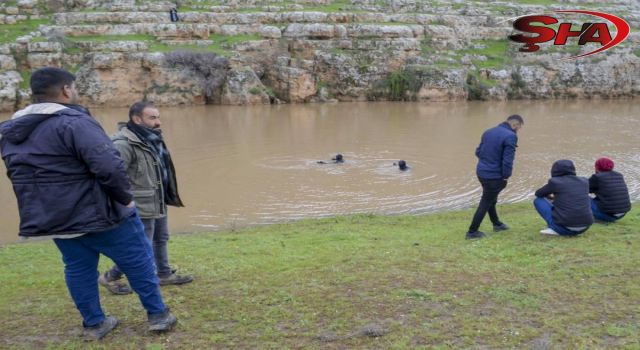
[(490, 190)]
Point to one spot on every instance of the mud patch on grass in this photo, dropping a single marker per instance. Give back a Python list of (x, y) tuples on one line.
[(372, 330), (543, 342), (328, 337)]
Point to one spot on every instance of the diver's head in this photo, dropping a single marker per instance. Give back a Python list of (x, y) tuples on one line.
[(402, 165), (339, 158)]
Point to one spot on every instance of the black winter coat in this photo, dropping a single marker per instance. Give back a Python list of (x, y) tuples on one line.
[(67, 176), (571, 205), (611, 192)]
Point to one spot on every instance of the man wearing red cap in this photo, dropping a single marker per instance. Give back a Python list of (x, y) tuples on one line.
[(612, 200)]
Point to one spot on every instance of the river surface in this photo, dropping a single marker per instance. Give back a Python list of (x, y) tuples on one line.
[(243, 166)]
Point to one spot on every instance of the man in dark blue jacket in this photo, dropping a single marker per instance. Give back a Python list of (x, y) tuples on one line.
[(71, 186), (495, 154)]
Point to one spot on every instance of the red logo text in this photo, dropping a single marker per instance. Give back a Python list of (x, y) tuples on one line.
[(590, 32)]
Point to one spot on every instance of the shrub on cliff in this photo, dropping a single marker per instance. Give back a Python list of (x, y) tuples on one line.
[(477, 88), (517, 86), (397, 86), (209, 67)]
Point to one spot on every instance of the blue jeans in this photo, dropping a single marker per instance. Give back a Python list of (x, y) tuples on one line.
[(125, 244), (157, 231), (545, 208), (599, 215)]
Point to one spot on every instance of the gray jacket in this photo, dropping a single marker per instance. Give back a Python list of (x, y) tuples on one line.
[(145, 173)]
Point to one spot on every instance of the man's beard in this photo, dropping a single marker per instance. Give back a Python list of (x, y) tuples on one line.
[(155, 129)]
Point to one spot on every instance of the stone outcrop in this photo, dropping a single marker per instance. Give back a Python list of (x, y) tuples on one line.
[(307, 51), (292, 84), (9, 90), (7, 62), (243, 87), (119, 79)]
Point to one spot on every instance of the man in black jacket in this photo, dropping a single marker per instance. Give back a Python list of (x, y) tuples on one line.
[(570, 212), (71, 186), (612, 200)]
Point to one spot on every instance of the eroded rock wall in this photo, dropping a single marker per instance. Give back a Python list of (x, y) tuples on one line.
[(307, 51)]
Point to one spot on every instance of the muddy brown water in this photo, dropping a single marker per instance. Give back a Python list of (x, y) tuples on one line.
[(244, 166)]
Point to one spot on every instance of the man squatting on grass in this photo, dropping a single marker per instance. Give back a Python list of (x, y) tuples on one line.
[(153, 181), (71, 186), (612, 200), (495, 154), (564, 201)]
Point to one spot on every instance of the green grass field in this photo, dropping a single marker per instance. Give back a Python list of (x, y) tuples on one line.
[(364, 281), (10, 32)]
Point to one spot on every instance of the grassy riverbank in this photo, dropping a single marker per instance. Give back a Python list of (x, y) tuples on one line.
[(413, 282)]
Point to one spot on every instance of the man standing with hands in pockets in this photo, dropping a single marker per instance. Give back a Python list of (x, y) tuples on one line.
[(148, 164), (71, 186)]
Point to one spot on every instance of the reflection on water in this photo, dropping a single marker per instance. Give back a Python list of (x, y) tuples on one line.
[(240, 166)]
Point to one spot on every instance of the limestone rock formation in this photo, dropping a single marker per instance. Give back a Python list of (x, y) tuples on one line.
[(243, 87), (119, 79), (307, 51), (9, 90)]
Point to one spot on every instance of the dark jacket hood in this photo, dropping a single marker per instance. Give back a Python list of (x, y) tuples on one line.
[(563, 167), (23, 122)]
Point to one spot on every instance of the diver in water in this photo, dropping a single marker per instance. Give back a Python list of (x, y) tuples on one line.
[(335, 160), (402, 165)]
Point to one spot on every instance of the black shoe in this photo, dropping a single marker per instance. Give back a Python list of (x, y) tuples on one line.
[(103, 328), (162, 322), (501, 227), (114, 286), (174, 278), (475, 235)]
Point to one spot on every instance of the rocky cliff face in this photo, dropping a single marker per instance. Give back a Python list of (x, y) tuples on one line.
[(306, 51)]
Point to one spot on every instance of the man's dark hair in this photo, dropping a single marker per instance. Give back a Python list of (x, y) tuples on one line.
[(138, 107), (46, 82), (516, 118)]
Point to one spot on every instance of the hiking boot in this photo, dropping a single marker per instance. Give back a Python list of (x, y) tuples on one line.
[(114, 286), (501, 227), (549, 231), (162, 322), (475, 235), (98, 331), (174, 278)]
